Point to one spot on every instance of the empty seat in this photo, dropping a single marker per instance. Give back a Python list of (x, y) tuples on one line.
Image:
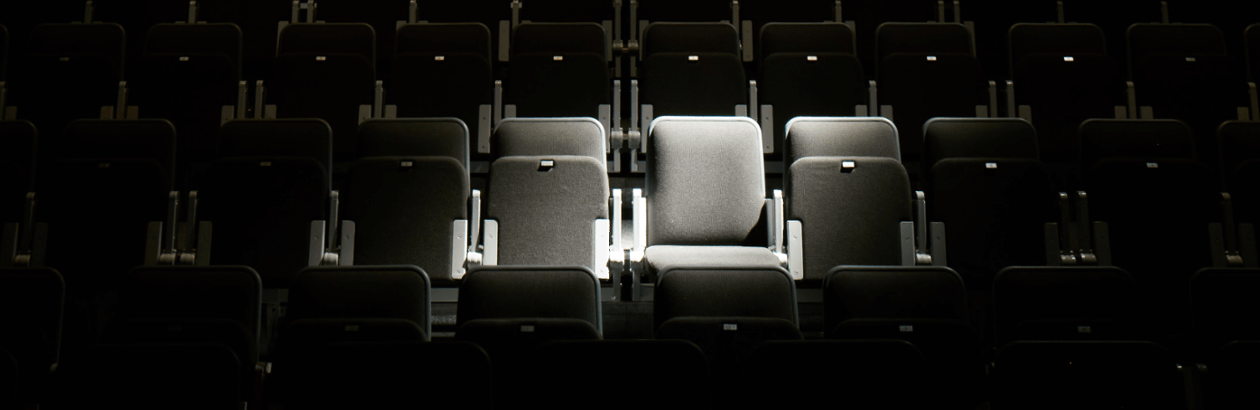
[(558, 70), (691, 69), (326, 71), (847, 194), (548, 200), (358, 304), (187, 75), (926, 306), (1160, 242), (340, 319), (31, 302), (986, 184), (192, 307), (1093, 375), (407, 197), (807, 69), (511, 310), (927, 70), (493, 14), (1064, 303), (1183, 71), (859, 373), (705, 192), (1062, 75), (384, 17), (269, 183), (726, 311), (571, 363), (524, 306), (80, 60), (444, 70), (127, 167)]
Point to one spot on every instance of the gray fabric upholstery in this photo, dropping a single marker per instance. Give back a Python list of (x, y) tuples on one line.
[(1104, 138), (404, 215), (361, 292), (438, 137), (662, 257), (724, 292), (559, 38), (841, 137), (549, 136), (311, 137), (805, 37), (848, 217), (893, 292), (705, 181), (690, 38), (978, 138), (546, 216), (495, 292)]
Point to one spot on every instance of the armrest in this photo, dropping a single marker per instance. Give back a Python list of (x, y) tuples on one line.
[(168, 254), (639, 204), (490, 245), (459, 252), (993, 99), (484, 126), (775, 211), (1011, 111), (345, 252), (334, 205), (601, 243), (505, 38), (1066, 245), (498, 103), (188, 254), (616, 253), (1084, 230), (937, 231), (795, 250), (516, 13), (231, 112), (316, 252), (476, 220), (634, 140), (1229, 255), (921, 256), (1247, 243), (766, 111), (615, 134)]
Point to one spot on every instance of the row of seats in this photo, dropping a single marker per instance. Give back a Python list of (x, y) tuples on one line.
[(1063, 74), (848, 201), (359, 335)]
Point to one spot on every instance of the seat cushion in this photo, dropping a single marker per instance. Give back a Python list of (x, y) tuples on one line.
[(658, 258)]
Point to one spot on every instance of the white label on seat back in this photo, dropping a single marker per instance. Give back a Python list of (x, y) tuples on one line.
[(1083, 329), (352, 328), (906, 328), (693, 58), (527, 328), (184, 58), (730, 327), (557, 58), (1152, 165), (931, 58), (1068, 59), (321, 58), (1189, 59), (990, 165), (811, 58), (439, 58)]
